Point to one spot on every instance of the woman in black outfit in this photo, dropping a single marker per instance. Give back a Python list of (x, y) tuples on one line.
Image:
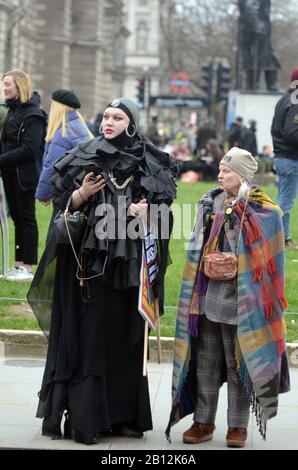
[(95, 355), (21, 151)]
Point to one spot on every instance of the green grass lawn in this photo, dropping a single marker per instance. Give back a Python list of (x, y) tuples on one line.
[(187, 194)]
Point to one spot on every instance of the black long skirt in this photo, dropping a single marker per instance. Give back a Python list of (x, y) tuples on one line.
[(95, 359)]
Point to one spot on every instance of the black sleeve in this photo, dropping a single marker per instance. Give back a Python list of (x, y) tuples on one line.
[(65, 180), (29, 149), (290, 129)]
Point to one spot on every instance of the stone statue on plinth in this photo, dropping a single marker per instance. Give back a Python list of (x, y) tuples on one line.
[(255, 43)]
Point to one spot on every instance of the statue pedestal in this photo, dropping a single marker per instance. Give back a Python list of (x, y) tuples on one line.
[(257, 105)]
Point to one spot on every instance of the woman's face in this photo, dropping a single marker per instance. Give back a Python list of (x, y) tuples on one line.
[(10, 90), (114, 122), (229, 180)]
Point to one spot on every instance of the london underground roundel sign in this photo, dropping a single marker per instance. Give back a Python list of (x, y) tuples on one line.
[(180, 82)]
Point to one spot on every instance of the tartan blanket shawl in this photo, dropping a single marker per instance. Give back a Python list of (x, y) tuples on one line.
[(260, 346)]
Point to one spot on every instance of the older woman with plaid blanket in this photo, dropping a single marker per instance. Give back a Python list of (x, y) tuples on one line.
[(232, 330)]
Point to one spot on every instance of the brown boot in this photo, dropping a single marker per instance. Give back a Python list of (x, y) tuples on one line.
[(198, 432), (236, 437)]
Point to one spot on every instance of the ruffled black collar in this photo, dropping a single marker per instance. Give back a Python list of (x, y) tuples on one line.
[(155, 170), (122, 140), (125, 159)]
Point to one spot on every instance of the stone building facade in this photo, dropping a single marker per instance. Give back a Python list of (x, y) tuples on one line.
[(66, 44), (143, 47), (81, 45), (98, 48), (17, 35)]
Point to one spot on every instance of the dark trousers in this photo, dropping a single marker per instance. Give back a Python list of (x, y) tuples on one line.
[(21, 205)]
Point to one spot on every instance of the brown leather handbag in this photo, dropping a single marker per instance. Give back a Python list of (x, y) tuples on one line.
[(223, 265)]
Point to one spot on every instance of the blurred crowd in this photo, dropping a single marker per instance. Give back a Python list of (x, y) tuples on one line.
[(198, 149)]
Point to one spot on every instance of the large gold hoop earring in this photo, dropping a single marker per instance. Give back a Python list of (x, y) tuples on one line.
[(134, 132)]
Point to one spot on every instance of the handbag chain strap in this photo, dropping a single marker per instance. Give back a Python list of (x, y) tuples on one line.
[(81, 279), (69, 236), (241, 227)]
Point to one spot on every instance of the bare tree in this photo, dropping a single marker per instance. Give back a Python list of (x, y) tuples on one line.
[(196, 32), (200, 31)]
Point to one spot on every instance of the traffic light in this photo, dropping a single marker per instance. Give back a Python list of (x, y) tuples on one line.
[(223, 82), (207, 81), (141, 91)]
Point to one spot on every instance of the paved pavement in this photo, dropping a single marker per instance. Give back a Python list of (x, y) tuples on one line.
[(20, 379)]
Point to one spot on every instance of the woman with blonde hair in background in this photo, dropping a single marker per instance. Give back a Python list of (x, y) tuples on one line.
[(21, 151), (66, 130)]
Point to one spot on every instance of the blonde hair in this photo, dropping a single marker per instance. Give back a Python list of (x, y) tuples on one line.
[(23, 83), (57, 118)]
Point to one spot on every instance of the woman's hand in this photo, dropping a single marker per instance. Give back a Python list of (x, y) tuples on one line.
[(46, 203), (138, 210), (91, 185)]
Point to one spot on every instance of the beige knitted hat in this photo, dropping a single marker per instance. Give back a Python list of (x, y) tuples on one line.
[(241, 161)]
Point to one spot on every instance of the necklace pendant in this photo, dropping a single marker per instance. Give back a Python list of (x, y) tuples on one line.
[(118, 186)]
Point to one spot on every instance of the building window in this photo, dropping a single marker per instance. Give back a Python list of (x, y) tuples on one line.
[(142, 37)]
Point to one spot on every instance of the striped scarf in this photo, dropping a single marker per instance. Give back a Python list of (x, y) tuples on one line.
[(260, 346)]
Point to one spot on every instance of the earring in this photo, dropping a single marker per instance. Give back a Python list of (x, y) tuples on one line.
[(134, 132)]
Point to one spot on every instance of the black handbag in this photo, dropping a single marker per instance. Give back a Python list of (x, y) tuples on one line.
[(70, 227)]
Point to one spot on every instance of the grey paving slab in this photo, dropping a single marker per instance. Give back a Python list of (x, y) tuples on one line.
[(20, 379)]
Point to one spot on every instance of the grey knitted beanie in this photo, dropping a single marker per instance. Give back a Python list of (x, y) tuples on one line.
[(241, 161), (129, 107)]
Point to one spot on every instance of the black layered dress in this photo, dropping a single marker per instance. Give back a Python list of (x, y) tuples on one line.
[(96, 334)]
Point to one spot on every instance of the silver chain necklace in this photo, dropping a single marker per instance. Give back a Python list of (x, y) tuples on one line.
[(118, 186)]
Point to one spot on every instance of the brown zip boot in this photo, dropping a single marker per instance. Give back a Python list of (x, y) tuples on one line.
[(198, 432)]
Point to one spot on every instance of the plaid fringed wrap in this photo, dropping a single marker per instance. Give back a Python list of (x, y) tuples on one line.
[(260, 350)]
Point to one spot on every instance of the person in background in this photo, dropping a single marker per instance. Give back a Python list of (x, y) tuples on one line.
[(21, 151), (181, 132), (168, 145), (207, 162), (232, 330), (192, 137), (267, 156), (204, 133), (66, 129), (182, 154), (249, 138), (152, 132), (3, 107), (235, 133), (267, 152), (284, 131)]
